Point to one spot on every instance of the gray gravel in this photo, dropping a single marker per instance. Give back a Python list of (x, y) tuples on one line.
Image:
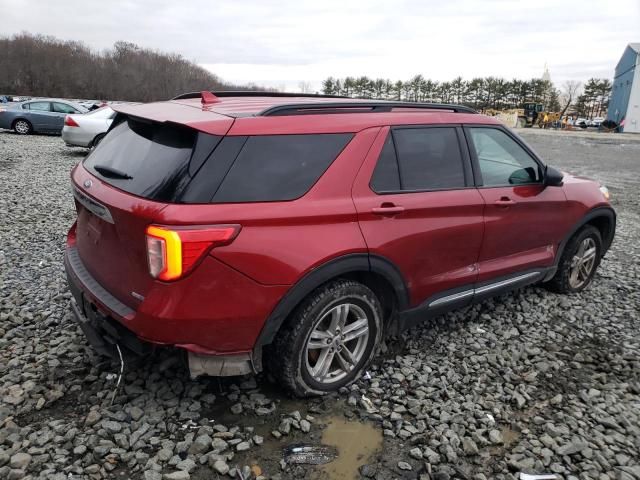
[(531, 381)]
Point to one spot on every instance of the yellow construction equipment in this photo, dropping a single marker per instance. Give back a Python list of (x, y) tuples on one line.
[(533, 114)]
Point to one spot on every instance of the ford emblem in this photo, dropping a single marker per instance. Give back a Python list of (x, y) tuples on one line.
[(88, 183)]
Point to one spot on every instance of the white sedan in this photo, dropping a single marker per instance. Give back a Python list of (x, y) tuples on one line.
[(86, 130)]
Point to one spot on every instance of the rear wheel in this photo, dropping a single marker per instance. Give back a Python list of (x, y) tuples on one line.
[(97, 140), (23, 127), (329, 340), (579, 261)]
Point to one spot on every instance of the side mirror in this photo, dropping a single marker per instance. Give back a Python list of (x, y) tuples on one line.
[(523, 175), (552, 177)]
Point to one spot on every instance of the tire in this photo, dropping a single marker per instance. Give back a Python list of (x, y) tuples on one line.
[(298, 367), (566, 280), (97, 140), (22, 127)]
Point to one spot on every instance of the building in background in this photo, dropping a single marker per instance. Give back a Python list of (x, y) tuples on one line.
[(546, 76), (625, 94)]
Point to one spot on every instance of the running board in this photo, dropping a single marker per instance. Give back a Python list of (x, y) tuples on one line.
[(491, 287), (462, 297)]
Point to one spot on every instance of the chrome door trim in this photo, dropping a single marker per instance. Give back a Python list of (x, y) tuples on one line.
[(508, 281), (481, 290), (451, 298)]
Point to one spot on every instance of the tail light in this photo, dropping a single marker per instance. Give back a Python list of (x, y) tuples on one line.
[(173, 251), (70, 122)]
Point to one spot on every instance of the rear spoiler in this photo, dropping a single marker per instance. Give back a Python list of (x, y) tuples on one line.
[(200, 119)]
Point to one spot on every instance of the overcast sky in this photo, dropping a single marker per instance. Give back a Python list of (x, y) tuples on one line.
[(281, 43)]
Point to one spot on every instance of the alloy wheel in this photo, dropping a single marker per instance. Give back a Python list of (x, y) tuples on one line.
[(582, 263), (337, 343), (22, 127)]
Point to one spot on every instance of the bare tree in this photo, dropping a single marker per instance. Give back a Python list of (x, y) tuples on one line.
[(305, 87), (570, 90), (39, 65)]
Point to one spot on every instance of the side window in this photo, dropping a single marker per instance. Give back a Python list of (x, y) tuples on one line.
[(502, 161), (429, 158), (385, 176), (63, 108), (39, 106), (279, 167)]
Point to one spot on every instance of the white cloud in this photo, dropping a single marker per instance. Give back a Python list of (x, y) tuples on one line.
[(280, 43)]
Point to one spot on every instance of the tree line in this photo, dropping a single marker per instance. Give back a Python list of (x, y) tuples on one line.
[(38, 65), (594, 100), (479, 93)]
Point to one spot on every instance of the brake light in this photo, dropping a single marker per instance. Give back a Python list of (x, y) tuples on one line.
[(70, 122), (173, 251)]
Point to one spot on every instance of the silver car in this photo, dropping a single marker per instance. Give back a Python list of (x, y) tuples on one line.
[(88, 129), (41, 115)]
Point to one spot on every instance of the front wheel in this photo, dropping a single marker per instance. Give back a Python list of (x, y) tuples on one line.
[(22, 127), (579, 261), (329, 340)]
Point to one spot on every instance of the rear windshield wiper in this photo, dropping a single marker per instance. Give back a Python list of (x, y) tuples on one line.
[(111, 172)]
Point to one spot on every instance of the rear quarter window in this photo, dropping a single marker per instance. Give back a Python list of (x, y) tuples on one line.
[(279, 167)]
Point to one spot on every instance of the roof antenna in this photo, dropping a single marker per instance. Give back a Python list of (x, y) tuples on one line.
[(208, 97)]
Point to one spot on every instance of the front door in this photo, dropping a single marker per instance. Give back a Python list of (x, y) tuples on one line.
[(524, 220), (417, 208)]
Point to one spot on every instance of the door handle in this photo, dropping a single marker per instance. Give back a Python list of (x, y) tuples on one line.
[(505, 202), (387, 209)]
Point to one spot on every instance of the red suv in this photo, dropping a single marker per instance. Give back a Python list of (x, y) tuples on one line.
[(244, 226)]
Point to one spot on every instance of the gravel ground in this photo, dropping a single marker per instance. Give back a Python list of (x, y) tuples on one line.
[(531, 381)]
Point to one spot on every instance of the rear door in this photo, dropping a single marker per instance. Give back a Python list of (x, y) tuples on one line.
[(418, 208), (60, 111), (40, 115), (524, 220)]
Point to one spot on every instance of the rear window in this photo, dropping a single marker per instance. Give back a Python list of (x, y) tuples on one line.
[(429, 158), (39, 106), (423, 159), (279, 167), (63, 108), (150, 160)]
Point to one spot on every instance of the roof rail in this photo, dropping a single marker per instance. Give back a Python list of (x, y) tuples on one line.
[(253, 93), (357, 107)]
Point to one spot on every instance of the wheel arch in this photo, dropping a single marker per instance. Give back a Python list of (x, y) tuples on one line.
[(603, 218), (377, 273), (98, 136), (17, 119)]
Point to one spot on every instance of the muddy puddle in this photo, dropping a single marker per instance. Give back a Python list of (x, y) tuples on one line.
[(356, 443)]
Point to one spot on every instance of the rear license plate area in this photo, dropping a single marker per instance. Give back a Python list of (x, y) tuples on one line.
[(91, 311)]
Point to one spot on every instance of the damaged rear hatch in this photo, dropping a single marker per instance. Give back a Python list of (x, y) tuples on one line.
[(122, 187)]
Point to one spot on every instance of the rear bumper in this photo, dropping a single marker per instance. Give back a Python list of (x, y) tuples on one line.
[(111, 338), (101, 330), (76, 136), (215, 311)]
